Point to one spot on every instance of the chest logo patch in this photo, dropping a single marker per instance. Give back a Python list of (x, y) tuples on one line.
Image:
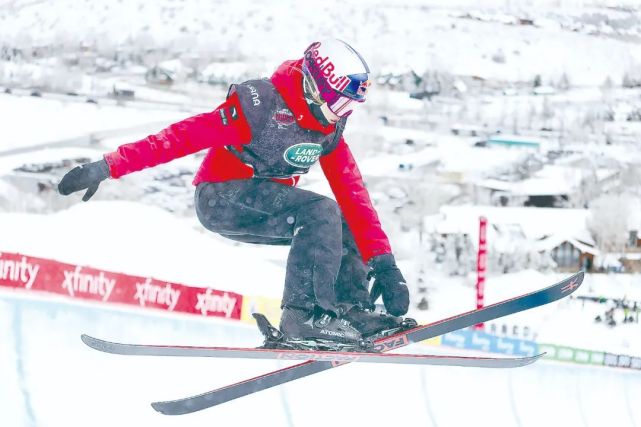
[(303, 155), (284, 118)]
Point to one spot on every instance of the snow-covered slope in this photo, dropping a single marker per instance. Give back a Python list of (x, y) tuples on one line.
[(49, 379), (421, 35), (141, 240), (28, 121)]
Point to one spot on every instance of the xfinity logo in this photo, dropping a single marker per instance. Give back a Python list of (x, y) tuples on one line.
[(482, 342), (210, 302), (77, 282), (455, 339), (148, 292), (21, 271), (528, 349), (505, 346)]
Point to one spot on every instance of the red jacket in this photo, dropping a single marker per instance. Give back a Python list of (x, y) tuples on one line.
[(207, 131)]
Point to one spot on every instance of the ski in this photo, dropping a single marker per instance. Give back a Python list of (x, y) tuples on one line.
[(419, 333), (335, 357)]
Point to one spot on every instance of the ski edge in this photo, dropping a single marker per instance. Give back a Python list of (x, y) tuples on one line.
[(298, 355)]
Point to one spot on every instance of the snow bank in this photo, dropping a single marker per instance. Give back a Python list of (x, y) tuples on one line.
[(50, 379), (142, 240)]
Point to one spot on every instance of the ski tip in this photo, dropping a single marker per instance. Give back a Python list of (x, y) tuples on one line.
[(86, 339), (90, 341), (159, 407), (97, 344), (535, 358), (580, 276), (525, 361), (167, 408), (572, 283)]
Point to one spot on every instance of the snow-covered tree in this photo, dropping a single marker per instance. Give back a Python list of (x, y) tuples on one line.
[(631, 179), (459, 255), (609, 220), (564, 82), (631, 79)]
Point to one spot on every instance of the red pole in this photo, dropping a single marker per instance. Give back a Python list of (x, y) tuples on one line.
[(481, 266)]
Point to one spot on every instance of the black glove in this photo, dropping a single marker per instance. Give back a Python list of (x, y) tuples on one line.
[(389, 282), (88, 176)]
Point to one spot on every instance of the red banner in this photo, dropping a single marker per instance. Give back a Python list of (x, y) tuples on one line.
[(481, 266), (79, 282)]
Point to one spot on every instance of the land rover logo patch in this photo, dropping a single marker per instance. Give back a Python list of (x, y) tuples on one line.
[(303, 155)]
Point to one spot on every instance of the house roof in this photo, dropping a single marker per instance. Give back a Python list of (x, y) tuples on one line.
[(536, 224), (552, 242), (390, 164), (552, 180)]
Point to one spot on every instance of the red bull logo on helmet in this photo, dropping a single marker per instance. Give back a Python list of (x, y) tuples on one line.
[(324, 67)]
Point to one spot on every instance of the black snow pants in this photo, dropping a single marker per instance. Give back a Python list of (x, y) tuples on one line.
[(324, 266)]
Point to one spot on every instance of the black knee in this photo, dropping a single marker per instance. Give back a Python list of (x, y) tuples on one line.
[(322, 212), (208, 207)]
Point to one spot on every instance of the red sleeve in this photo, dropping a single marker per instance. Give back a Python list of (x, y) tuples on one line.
[(226, 125), (347, 185)]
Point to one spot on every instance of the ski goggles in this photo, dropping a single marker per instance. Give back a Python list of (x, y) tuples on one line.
[(353, 89)]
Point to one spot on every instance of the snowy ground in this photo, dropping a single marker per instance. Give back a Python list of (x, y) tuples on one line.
[(50, 379), (29, 121)]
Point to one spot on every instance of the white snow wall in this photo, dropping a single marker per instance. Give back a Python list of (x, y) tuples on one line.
[(48, 378)]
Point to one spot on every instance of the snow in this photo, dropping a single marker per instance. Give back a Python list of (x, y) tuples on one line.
[(536, 223), (28, 121), (551, 180), (458, 156), (399, 164), (50, 378), (145, 241), (11, 162)]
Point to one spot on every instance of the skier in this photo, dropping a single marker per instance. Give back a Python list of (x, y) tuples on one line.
[(260, 140)]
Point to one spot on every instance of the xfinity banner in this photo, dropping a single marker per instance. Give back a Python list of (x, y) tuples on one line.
[(78, 282)]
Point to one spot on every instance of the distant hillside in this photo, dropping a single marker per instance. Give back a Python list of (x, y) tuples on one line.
[(507, 40)]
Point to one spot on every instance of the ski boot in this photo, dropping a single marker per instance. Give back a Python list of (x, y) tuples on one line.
[(355, 330), (319, 330), (374, 324)]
